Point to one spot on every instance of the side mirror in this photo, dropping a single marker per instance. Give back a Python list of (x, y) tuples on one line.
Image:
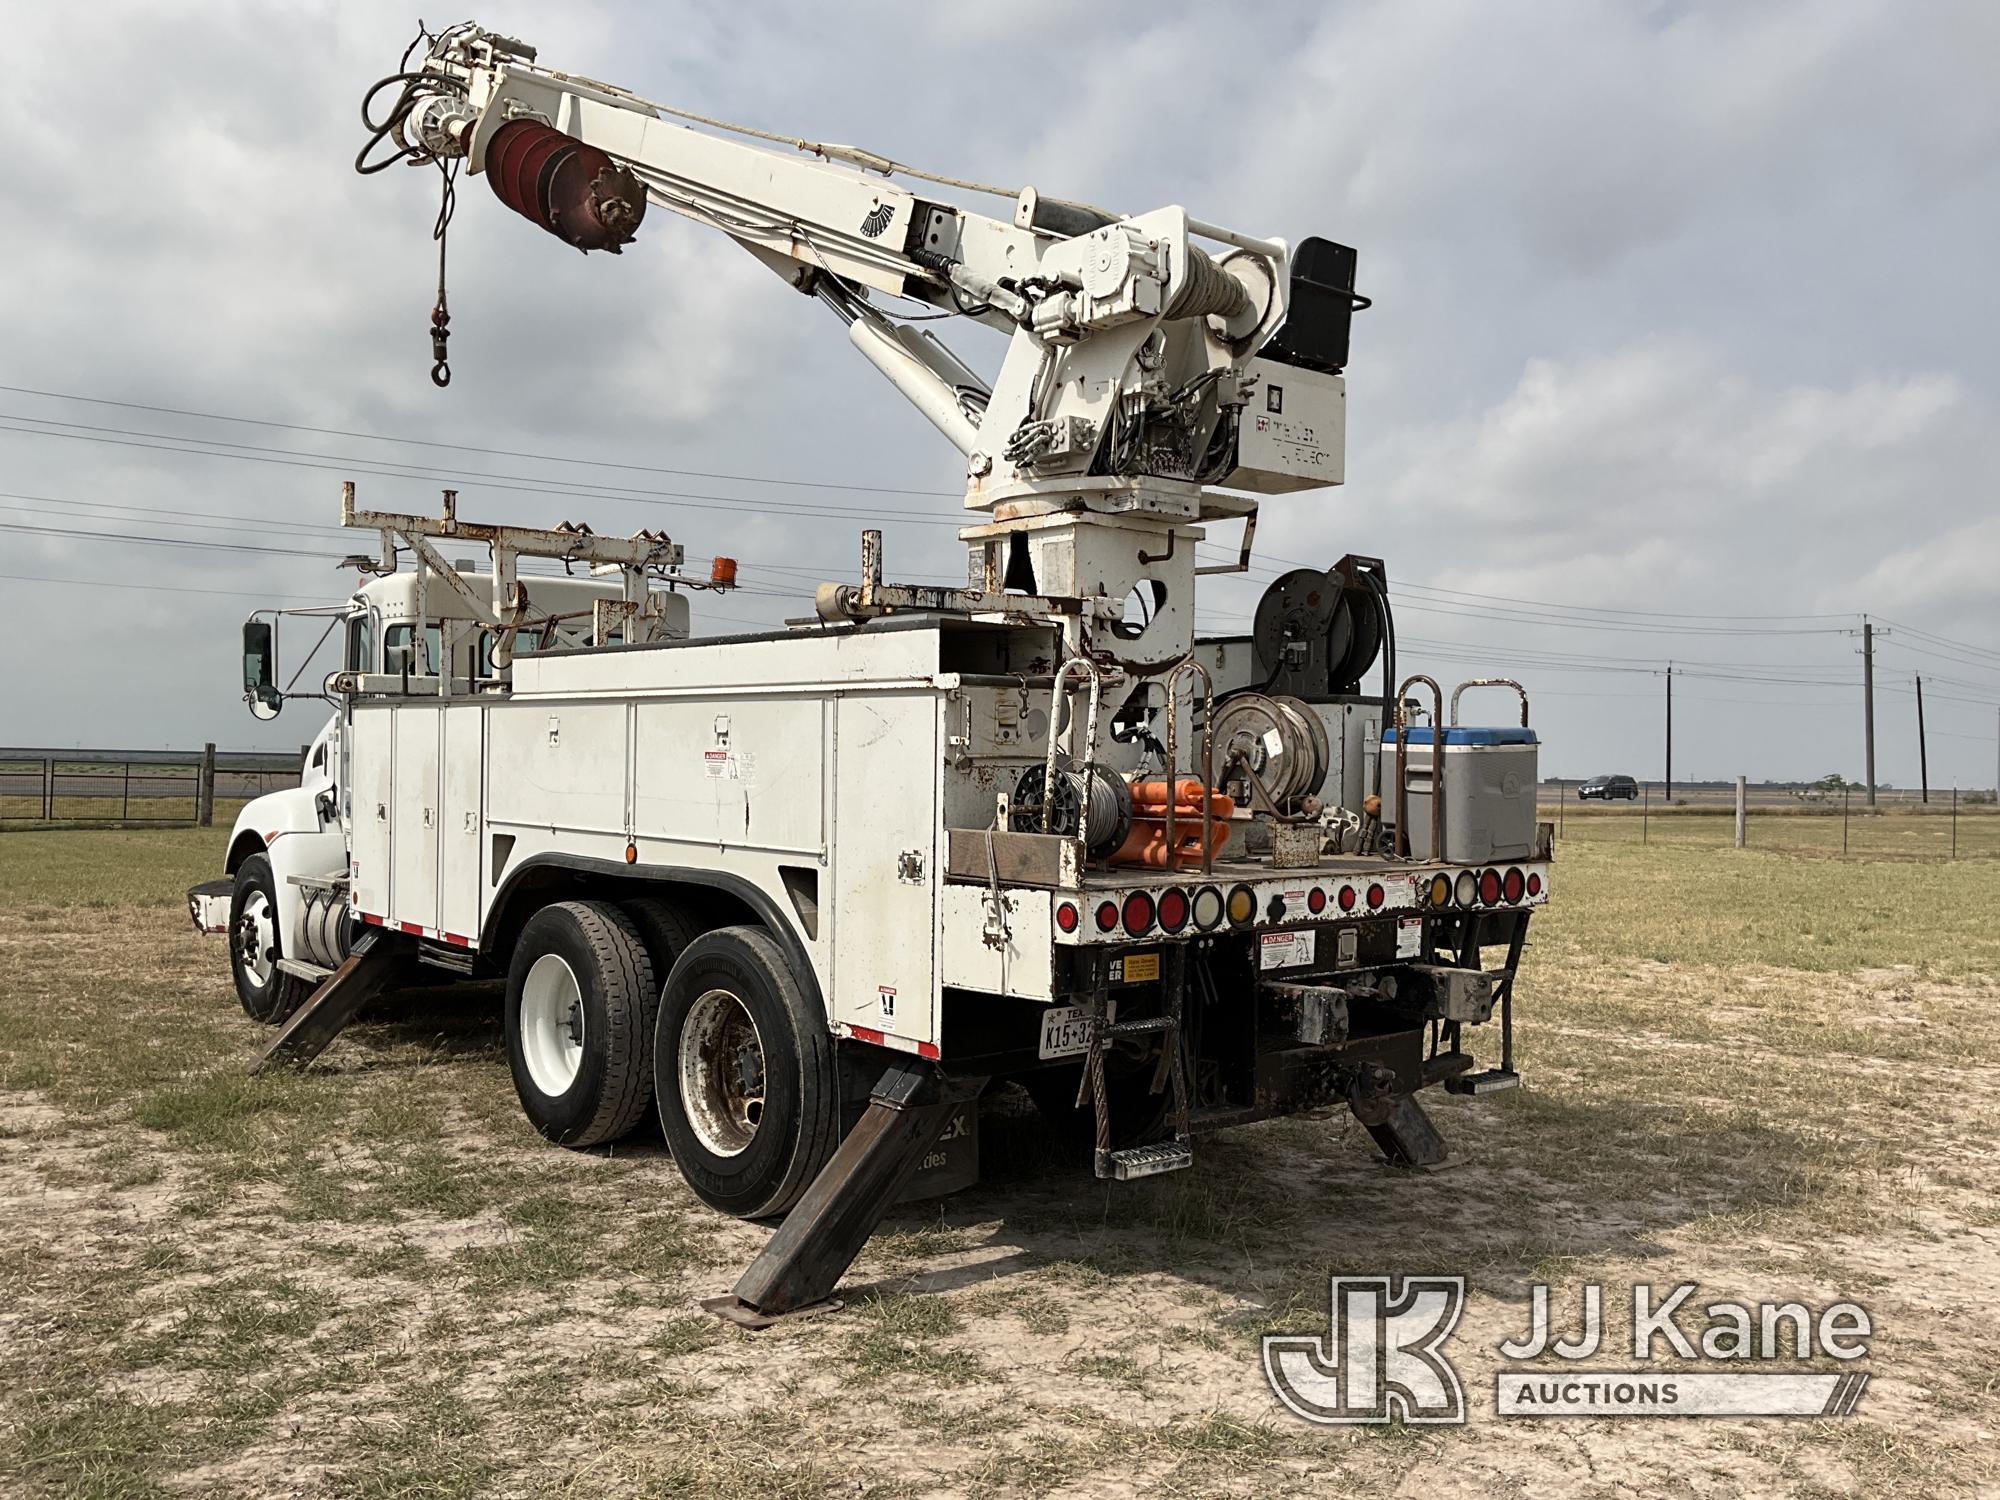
[(260, 669)]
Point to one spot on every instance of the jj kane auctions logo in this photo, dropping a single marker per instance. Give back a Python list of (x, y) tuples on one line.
[(1383, 1358)]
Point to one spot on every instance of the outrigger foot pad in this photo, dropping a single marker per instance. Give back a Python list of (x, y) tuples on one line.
[(1407, 1136), (733, 1309)]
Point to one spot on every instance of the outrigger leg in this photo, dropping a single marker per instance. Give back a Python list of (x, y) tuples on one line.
[(819, 1239), (371, 966)]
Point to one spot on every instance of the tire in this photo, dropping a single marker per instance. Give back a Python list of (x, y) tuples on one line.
[(745, 1074), (267, 993), (581, 998), (665, 926)]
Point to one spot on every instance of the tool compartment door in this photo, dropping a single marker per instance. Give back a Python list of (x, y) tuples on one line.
[(887, 781), (461, 826), (371, 803), (413, 859)]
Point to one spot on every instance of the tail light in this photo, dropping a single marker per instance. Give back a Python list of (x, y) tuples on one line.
[(1242, 905), (1440, 889), (1107, 916), (1067, 917), (1207, 907), (1489, 887), (1138, 913), (1465, 890), (1173, 910), (1376, 895), (1347, 898), (1534, 884), (1514, 885), (1316, 901)]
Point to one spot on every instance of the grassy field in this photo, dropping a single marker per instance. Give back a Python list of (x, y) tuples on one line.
[(1767, 1074), (1904, 833)]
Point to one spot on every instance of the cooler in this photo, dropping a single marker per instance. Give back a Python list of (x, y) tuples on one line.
[(1489, 778)]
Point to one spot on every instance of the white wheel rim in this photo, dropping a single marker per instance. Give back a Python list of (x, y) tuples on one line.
[(256, 943), (552, 1025), (722, 1073)]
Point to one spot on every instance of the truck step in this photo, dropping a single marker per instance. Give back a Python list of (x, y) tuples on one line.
[(1492, 1081), (1147, 1161), (1144, 1026)]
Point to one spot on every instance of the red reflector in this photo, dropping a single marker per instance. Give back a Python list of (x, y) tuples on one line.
[(1173, 910), (1138, 913), (1534, 885), (1514, 885), (1374, 896), (1107, 916), (1316, 902), (1066, 917), (1347, 898), (1489, 886)]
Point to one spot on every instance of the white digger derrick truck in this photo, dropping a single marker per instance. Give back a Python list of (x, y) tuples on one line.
[(806, 893)]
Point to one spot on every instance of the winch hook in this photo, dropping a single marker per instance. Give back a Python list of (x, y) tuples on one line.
[(440, 336)]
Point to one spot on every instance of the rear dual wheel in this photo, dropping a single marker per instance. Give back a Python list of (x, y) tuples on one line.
[(745, 1073), (734, 1046), (581, 997)]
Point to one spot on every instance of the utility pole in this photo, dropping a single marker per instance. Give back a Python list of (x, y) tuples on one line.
[(1868, 697), (1670, 733), (1923, 758)]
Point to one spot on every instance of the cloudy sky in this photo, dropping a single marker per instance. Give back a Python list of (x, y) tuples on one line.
[(1678, 349)]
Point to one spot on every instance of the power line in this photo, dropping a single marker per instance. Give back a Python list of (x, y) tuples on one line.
[(554, 458), (1406, 586), (1942, 640), (156, 588), (1644, 621), (292, 458)]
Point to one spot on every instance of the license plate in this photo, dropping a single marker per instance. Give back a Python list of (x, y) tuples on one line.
[(1065, 1031)]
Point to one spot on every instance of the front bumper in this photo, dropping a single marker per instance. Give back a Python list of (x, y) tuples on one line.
[(208, 904)]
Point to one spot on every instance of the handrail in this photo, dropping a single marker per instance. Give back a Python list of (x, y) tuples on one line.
[(1056, 692), (1403, 766), (1188, 663), (1472, 682)]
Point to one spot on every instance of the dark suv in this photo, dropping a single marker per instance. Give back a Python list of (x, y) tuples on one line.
[(1608, 788)]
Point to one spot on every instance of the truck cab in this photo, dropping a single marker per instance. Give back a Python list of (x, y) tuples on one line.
[(393, 633)]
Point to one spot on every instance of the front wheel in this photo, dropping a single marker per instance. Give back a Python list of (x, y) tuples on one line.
[(745, 1073), (267, 992), (579, 1018)]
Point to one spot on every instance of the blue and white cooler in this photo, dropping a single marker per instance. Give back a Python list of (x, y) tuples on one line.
[(1488, 777)]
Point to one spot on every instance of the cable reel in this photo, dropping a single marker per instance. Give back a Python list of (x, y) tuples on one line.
[(1110, 806)]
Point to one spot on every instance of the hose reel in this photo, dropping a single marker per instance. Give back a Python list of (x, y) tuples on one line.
[(1317, 633), (1273, 743)]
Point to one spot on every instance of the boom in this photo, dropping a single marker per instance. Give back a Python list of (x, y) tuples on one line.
[(1133, 341)]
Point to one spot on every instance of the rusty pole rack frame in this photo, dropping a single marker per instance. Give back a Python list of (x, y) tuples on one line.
[(636, 557)]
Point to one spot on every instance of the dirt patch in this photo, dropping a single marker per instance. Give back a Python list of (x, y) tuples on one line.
[(376, 1280)]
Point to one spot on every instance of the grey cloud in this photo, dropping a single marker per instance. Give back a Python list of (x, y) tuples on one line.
[(1678, 307)]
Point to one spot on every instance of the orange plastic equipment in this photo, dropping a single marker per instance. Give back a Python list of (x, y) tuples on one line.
[(1147, 843)]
